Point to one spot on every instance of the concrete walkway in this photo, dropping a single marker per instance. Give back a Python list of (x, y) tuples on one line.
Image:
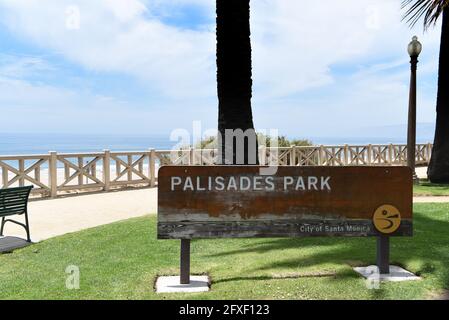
[(431, 199), (50, 218)]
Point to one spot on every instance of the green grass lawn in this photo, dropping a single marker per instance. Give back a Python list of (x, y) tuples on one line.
[(425, 188), (122, 260)]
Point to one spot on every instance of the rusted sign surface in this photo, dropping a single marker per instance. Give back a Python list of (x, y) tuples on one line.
[(236, 201)]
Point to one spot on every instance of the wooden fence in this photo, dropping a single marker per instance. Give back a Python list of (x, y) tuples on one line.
[(56, 174)]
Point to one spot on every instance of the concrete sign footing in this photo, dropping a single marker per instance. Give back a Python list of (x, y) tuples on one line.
[(172, 284), (396, 274)]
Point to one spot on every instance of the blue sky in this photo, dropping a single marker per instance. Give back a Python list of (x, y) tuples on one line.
[(148, 67)]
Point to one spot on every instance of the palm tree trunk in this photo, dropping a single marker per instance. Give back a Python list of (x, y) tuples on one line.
[(438, 170), (234, 81)]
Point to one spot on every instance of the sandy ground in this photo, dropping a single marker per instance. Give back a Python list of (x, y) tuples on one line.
[(50, 218), (53, 217)]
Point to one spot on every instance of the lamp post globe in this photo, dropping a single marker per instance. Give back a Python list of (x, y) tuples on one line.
[(414, 47)]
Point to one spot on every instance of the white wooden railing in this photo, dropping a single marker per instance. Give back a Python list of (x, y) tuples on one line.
[(56, 174)]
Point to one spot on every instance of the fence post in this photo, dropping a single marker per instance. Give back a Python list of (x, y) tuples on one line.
[(192, 156), (107, 170), (370, 151), (37, 173), (21, 172), (5, 177), (80, 166), (140, 166), (346, 154), (53, 174), (390, 154), (130, 163), (322, 155), (269, 160), (260, 153), (293, 155), (152, 168)]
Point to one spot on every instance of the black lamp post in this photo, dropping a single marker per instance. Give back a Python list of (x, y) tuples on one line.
[(414, 49)]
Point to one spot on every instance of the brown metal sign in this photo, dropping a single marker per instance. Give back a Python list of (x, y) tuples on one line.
[(237, 201)]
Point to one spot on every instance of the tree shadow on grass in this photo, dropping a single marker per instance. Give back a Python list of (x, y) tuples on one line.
[(267, 277), (427, 183), (289, 243)]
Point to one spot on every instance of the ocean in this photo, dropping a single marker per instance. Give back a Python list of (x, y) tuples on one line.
[(39, 143)]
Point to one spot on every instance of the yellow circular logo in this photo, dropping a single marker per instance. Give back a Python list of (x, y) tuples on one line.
[(387, 219)]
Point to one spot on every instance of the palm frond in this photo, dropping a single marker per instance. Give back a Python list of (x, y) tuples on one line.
[(431, 10)]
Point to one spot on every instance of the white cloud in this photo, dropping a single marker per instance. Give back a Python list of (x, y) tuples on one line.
[(36, 107), (126, 11), (22, 66), (296, 43), (116, 36), (296, 47)]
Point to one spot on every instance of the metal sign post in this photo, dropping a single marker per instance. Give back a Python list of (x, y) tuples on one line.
[(383, 254), (185, 261)]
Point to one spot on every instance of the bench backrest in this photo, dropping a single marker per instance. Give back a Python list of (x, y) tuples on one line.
[(14, 200)]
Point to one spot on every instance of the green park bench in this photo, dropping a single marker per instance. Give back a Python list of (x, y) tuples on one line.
[(14, 201)]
